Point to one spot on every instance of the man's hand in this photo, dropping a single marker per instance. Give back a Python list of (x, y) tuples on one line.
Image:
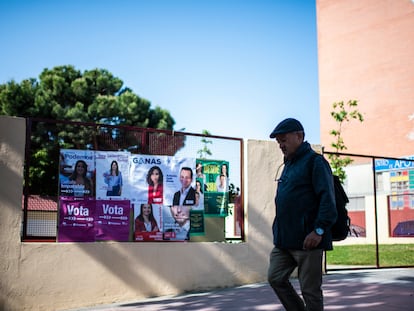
[(312, 240)]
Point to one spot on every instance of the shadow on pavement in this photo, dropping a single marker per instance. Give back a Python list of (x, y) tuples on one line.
[(391, 289)]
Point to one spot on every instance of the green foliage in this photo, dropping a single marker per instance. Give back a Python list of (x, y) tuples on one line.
[(205, 151), (64, 93), (342, 112), (18, 99)]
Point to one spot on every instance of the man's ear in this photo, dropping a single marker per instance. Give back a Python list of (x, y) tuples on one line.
[(301, 135)]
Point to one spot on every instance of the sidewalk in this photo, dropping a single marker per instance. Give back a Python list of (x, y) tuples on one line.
[(361, 290)]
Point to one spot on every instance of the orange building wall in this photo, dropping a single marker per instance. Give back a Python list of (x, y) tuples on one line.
[(366, 52)]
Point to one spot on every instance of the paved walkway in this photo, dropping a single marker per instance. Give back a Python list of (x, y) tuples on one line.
[(361, 290)]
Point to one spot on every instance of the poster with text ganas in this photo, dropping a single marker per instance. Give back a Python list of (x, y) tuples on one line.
[(155, 179), (112, 170)]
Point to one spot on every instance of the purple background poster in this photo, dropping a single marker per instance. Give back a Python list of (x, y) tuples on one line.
[(76, 220), (112, 220)]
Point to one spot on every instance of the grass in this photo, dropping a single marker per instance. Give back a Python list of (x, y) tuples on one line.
[(364, 255)]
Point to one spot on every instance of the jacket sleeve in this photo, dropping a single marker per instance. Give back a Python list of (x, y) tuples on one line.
[(323, 185)]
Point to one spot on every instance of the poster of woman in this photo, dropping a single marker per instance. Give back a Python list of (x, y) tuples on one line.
[(147, 222), (77, 173), (155, 182), (155, 179), (112, 168)]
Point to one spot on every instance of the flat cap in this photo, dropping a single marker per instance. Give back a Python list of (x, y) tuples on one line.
[(287, 126)]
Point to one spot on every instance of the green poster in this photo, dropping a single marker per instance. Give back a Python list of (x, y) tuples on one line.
[(213, 178), (196, 223)]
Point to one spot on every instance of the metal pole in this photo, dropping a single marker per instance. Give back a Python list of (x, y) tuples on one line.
[(26, 190), (376, 214)]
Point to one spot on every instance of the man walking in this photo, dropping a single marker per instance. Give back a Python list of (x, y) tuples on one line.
[(305, 211)]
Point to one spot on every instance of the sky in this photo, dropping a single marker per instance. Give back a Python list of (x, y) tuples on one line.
[(233, 67)]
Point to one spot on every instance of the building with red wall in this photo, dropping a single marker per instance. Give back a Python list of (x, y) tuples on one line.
[(366, 53)]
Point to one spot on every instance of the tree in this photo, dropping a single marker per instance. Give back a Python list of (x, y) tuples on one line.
[(64, 93), (342, 112), (205, 151)]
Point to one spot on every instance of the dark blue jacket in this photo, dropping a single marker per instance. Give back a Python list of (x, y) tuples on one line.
[(305, 200)]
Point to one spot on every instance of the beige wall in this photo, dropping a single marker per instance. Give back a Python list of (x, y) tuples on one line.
[(56, 276), (365, 52)]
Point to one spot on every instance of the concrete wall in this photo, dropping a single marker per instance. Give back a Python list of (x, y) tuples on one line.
[(56, 276)]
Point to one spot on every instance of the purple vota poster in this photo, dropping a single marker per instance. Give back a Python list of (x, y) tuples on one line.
[(112, 220), (76, 220)]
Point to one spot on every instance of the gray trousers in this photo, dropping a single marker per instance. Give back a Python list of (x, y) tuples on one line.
[(309, 263)]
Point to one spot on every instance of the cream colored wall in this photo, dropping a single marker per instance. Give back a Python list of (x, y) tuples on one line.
[(56, 276), (12, 140)]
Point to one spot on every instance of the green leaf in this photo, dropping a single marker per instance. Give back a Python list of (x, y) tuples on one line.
[(342, 114)]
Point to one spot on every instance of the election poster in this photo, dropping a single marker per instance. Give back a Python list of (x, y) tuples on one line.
[(77, 173), (76, 220), (156, 179), (106, 194), (112, 169), (147, 222), (90, 220), (161, 184), (197, 223), (112, 220), (213, 175), (176, 222), (147, 179)]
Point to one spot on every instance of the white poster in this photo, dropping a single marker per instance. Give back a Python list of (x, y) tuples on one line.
[(112, 170), (158, 184), (156, 179)]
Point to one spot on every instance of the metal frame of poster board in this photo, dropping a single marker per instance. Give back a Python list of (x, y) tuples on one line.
[(98, 137)]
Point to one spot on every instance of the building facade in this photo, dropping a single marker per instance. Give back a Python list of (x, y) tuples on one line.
[(365, 53)]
